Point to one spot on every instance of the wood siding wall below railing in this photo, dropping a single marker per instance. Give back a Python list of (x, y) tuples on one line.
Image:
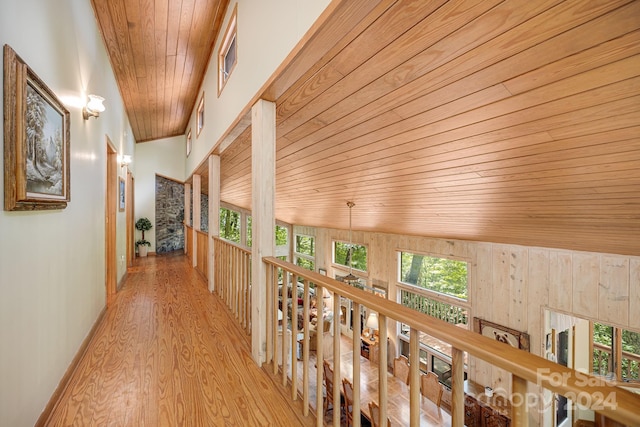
[(232, 279), (202, 253), (593, 392)]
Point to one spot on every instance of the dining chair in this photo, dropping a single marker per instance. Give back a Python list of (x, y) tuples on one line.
[(327, 375), (374, 411), (401, 368), (347, 390), (431, 388)]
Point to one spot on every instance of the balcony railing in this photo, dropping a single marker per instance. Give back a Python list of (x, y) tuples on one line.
[(603, 363), (611, 402), (232, 279)]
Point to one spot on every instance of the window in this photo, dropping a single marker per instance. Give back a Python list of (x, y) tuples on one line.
[(305, 252), (200, 116), (436, 287), (188, 142), (442, 275), (228, 53), (230, 225), (616, 352), (343, 253), (454, 314), (249, 231), (282, 237), (429, 361)]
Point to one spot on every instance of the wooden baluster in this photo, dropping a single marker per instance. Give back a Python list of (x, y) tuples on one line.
[(357, 327), (285, 324), (285, 320), (247, 293), (305, 351), (519, 416), (319, 359), (270, 313), (235, 282), (382, 366), (414, 377), (457, 387), (237, 273), (294, 338), (278, 295)]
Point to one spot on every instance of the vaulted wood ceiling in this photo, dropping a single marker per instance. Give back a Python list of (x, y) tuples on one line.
[(159, 51), (503, 121)]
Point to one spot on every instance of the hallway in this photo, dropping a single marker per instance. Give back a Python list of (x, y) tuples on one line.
[(166, 354)]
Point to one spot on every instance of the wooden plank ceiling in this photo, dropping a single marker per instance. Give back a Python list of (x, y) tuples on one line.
[(510, 121), (159, 51)]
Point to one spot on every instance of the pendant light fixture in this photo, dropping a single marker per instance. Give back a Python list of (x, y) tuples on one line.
[(350, 278)]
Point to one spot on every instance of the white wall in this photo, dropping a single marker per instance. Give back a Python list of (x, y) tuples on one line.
[(52, 269), (165, 157), (267, 31)]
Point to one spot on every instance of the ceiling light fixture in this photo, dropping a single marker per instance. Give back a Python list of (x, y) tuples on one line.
[(94, 107), (350, 278)]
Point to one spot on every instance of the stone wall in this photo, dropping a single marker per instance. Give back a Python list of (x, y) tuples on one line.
[(204, 212), (169, 215)]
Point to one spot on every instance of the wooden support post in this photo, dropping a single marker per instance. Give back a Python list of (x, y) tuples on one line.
[(187, 213), (214, 214), (197, 215), (263, 180)]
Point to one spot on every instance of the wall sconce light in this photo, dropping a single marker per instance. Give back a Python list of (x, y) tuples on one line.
[(94, 107), (124, 162)]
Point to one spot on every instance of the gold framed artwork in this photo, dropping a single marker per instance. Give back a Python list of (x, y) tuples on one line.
[(501, 333), (36, 141)]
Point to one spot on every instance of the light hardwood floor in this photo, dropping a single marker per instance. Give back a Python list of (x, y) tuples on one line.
[(166, 354)]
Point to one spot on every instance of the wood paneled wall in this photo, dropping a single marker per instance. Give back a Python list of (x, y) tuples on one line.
[(202, 253)]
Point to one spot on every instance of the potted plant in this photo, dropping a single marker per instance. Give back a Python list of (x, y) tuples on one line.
[(143, 224)]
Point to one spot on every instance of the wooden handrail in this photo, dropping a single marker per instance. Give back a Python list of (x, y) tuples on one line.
[(613, 402)]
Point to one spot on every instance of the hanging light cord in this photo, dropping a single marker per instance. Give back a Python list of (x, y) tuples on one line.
[(350, 204)]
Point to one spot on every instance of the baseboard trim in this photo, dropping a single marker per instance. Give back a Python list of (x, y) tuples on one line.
[(122, 280), (64, 382)]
